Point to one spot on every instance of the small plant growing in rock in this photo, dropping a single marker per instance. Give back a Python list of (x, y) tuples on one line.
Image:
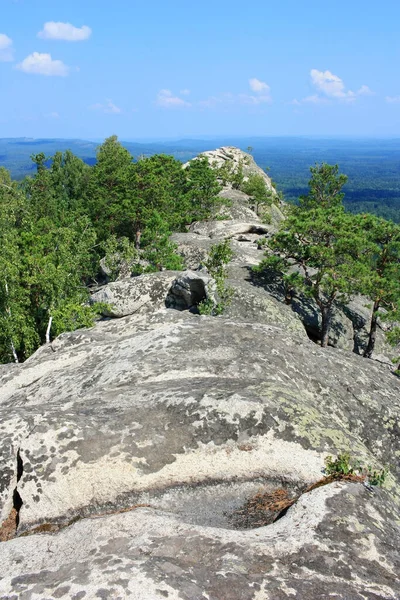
[(377, 477), (222, 217), (267, 218), (340, 465), (344, 466)]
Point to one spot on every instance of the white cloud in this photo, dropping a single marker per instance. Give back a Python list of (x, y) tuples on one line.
[(328, 83), (64, 31), (166, 99), (248, 99), (365, 91), (259, 86), (315, 99), (332, 86), (6, 48), (52, 115), (393, 99), (109, 107), (210, 102), (43, 64), (184, 92), (262, 93), (261, 96)]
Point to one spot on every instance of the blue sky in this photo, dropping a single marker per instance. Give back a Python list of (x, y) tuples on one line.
[(173, 68)]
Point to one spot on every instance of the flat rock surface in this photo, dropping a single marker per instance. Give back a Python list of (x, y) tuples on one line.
[(179, 420)]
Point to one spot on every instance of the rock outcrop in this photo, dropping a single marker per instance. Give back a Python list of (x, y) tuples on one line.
[(235, 156), (132, 295), (164, 426), (164, 454)]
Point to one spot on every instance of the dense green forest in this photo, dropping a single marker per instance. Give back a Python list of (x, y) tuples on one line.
[(372, 166), (62, 226), (56, 226)]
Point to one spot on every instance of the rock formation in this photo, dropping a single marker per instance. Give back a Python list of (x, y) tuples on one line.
[(163, 454), (237, 157)]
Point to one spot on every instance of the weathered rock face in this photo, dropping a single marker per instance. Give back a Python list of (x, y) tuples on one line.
[(237, 206), (189, 289), (191, 416), (142, 294), (236, 156)]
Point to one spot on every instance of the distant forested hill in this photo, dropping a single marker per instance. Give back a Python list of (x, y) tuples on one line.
[(373, 166)]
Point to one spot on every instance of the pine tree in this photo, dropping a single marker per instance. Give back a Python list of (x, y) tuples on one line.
[(382, 278), (318, 247)]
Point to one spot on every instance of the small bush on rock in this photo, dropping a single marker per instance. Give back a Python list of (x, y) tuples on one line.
[(343, 466), (220, 255)]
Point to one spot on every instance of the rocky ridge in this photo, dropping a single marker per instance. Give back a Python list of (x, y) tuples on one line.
[(130, 452)]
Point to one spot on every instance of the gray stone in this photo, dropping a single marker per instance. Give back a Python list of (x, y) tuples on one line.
[(190, 416), (335, 542), (142, 294), (234, 155), (238, 206), (252, 304), (228, 229), (189, 289), (277, 215), (130, 451), (359, 311), (193, 248), (341, 334)]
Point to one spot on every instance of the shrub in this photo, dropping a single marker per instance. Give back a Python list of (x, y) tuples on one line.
[(343, 465)]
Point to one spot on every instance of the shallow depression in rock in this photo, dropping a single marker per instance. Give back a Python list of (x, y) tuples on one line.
[(227, 505)]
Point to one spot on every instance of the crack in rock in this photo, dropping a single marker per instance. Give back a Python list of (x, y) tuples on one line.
[(9, 527)]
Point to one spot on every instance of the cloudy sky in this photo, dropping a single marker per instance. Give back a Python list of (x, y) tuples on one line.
[(173, 68)]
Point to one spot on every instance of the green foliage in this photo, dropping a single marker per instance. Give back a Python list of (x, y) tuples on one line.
[(219, 257), (203, 190), (318, 248), (229, 173), (376, 477), (56, 226), (372, 165), (267, 218), (325, 188), (256, 188), (344, 465), (381, 282), (237, 176), (120, 254), (224, 172), (340, 465)]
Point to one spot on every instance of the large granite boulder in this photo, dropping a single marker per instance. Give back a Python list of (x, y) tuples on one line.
[(141, 294), (165, 425), (189, 289), (236, 206), (193, 248)]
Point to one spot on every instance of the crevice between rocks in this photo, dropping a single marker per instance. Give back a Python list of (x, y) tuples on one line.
[(8, 529)]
